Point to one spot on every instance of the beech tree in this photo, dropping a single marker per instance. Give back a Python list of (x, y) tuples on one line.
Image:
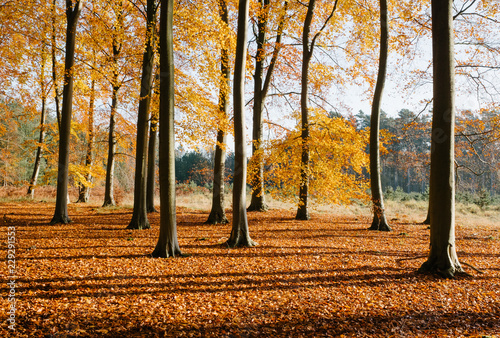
[(116, 48), (43, 113), (307, 52), (139, 216), (442, 256), (168, 245), (73, 9), (261, 88), (151, 171), (240, 235), (379, 220), (217, 213), (84, 192)]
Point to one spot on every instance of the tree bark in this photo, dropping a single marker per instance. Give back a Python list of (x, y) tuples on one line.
[(109, 191), (442, 256), (261, 88), (73, 9), (218, 214), (302, 211), (168, 245), (41, 138), (109, 194), (379, 220), (151, 175), (57, 93), (84, 194), (139, 215), (240, 235)]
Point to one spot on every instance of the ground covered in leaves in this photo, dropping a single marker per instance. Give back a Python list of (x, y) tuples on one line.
[(324, 277)]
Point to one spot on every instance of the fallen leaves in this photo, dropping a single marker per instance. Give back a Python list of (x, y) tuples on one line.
[(325, 277)]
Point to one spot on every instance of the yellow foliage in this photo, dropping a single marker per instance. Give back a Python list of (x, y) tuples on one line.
[(337, 162)]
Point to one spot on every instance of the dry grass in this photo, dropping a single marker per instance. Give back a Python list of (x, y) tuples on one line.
[(201, 199)]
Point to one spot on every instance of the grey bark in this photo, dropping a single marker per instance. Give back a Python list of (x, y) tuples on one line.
[(217, 213), (261, 88), (57, 93), (84, 194), (139, 215), (379, 220), (442, 256), (41, 137), (168, 245), (240, 235), (73, 10), (151, 175), (109, 191), (109, 194), (302, 211), (307, 52)]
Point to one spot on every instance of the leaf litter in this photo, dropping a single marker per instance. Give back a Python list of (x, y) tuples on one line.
[(326, 277)]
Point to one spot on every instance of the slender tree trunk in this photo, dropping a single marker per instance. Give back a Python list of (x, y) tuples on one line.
[(302, 211), (109, 191), (61, 211), (218, 214), (55, 81), (240, 235), (168, 245), (84, 194), (41, 138), (379, 220), (442, 256), (261, 88), (151, 175), (139, 216), (257, 202)]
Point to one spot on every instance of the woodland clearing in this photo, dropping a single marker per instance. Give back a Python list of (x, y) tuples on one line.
[(325, 277)]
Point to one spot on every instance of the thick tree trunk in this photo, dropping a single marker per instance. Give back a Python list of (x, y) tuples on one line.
[(151, 175), (139, 215), (442, 256), (73, 10), (379, 220), (303, 211), (240, 235), (168, 245), (218, 214)]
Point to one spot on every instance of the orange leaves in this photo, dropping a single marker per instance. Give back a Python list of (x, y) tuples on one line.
[(325, 277)]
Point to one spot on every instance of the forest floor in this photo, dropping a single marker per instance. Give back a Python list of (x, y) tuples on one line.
[(326, 277)]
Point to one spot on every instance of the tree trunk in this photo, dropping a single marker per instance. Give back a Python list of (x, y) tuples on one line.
[(41, 138), (168, 245), (379, 220), (240, 235), (151, 175), (261, 88), (303, 211), (139, 216), (57, 93), (84, 194), (442, 256), (257, 202), (73, 10), (218, 214), (109, 191)]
